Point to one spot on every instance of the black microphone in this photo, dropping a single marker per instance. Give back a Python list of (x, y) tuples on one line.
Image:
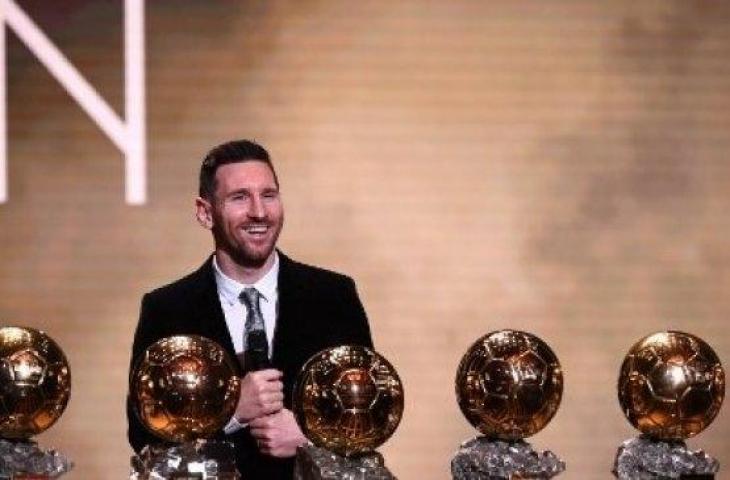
[(257, 354)]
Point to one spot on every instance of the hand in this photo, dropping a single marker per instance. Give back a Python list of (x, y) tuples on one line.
[(262, 393), (278, 434)]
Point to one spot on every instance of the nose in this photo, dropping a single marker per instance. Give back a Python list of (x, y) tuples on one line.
[(257, 210)]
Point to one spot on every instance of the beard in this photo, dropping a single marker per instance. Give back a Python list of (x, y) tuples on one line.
[(243, 252)]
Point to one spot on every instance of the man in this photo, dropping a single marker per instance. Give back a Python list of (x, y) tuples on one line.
[(246, 289)]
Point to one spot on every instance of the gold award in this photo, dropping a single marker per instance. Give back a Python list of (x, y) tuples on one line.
[(35, 382), (348, 399), (185, 387), (509, 384), (671, 385)]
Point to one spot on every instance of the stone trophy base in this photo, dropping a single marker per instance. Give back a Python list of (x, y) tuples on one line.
[(198, 460), (24, 460), (486, 459), (314, 463), (643, 458)]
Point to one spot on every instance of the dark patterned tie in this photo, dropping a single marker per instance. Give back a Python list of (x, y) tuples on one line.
[(254, 331)]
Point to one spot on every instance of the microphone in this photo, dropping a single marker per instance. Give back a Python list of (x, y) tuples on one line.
[(257, 354)]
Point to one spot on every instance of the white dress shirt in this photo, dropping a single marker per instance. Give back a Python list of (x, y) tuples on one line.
[(235, 311)]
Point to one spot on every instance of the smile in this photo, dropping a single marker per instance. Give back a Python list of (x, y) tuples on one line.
[(256, 229)]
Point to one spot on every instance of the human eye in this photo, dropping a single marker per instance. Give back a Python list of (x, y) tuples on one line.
[(238, 196), (270, 194)]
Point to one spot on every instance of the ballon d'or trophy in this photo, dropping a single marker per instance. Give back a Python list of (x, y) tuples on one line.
[(184, 390), (348, 400), (670, 388), (508, 385), (35, 384)]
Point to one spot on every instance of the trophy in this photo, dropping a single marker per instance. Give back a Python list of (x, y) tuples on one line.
[(184, 390), (670, 388), (508, 385), (35, 384), (348, 400)]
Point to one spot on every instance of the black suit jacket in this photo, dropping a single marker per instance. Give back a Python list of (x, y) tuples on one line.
[(317, 309)]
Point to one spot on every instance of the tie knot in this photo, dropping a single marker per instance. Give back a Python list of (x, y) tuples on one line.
[(250, 296)]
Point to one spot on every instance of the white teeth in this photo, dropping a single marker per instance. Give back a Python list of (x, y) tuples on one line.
[(257, 229)]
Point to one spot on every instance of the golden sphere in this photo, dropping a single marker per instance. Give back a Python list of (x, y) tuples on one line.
[(184, 387), (509, 384), (35, 382), (671, 385), (348, 399)]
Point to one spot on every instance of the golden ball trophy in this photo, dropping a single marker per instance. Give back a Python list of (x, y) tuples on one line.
[(348, 400), (670, 388), (185, 390), (509, 385), (35, 385)]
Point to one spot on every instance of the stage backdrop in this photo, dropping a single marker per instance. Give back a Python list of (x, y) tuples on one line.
[(558, 167)]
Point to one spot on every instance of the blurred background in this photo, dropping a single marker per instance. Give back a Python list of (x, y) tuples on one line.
[(559, 167)]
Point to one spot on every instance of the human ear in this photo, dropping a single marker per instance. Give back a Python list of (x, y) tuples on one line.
[(204, 213)]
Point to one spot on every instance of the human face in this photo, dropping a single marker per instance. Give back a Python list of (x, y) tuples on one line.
[(246, 212)]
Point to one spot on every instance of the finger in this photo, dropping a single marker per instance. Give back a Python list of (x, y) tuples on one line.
[(267, 375), (262, 391), (269, 405), (261, 387), (262, 436), (262, 422), (267, 408), (271, 386), (271, 397), (257, 424), (276, 386), (274, 407)]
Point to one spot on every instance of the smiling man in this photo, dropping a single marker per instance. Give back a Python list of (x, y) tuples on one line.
[(271, 312)]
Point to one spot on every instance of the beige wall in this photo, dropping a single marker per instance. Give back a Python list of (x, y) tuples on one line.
[(559, 167)]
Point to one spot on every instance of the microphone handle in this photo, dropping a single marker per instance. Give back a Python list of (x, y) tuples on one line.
[(258, 348)]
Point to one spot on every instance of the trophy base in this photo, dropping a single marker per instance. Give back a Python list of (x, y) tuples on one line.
[(643, 458), (314, 463), (198, 460), (482, 458), (24, 460)]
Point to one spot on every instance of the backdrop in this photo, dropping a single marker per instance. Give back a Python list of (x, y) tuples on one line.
[(558, 167)]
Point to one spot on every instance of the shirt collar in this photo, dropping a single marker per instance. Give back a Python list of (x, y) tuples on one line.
[(229, 289)]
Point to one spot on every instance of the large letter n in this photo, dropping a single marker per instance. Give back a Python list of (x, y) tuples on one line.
[(129, 137)]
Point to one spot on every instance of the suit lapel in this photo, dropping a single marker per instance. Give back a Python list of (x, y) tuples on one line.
[(288, 314), (209, 315)]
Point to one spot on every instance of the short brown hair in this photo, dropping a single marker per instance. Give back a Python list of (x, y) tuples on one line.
[(236, 151)]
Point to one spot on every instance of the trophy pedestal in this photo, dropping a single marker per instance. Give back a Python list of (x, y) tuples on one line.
[(24, 460), (314, 463), (484, 459), (642, 458), (198, 460)]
